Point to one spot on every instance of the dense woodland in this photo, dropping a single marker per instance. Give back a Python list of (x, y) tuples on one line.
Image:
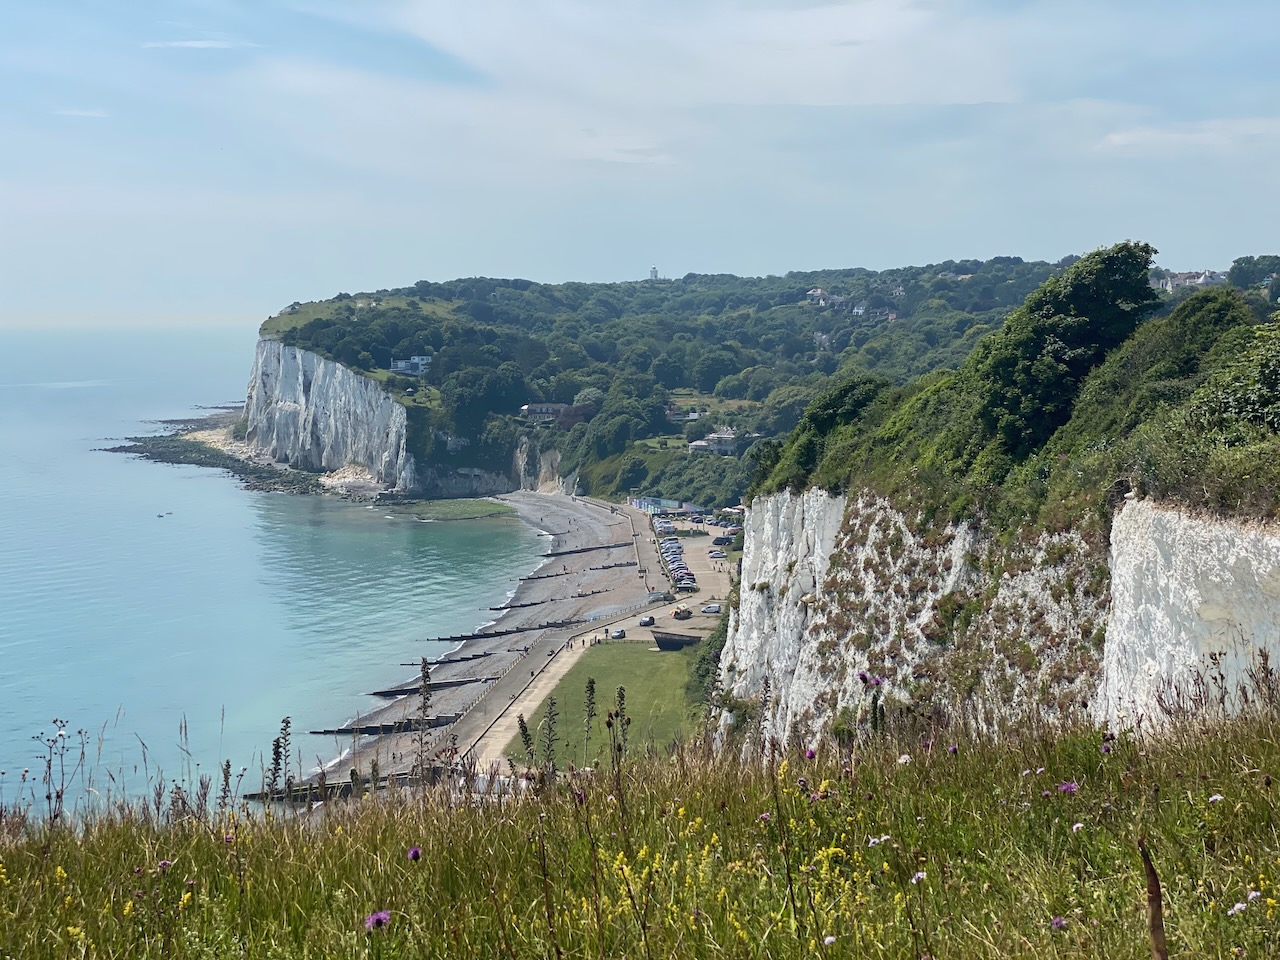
[(633, 360)]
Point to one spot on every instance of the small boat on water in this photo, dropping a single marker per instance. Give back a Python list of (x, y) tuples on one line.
[(674, 641)]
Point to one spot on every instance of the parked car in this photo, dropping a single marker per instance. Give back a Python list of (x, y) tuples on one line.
[(718, 555), (711, 608), (618, 634), (646, 621)]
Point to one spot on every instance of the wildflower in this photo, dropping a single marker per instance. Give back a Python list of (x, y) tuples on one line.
[(1077, 827), (1045, 793), (828, 940), (920, 875), (379, 918), (415, 853), (802, 783), (1232, 911), (1068, 786), (876, 841), (904, 759), (764, 817), (1026, 773), (1058, 923), (1253, 895), (1106, 748), (164, 865), (877, 681), (953, 749), (810, 753), (128, 908), (864, 676), (1216, 797)]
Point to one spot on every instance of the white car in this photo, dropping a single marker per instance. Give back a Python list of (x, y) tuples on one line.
[(718, 555), (618, 634), (646, 621), (711, 608)]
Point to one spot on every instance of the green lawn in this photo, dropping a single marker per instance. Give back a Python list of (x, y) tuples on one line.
[(473, 509), (655, 701)]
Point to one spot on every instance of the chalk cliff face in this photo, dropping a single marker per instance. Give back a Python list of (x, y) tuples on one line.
[(848, 603), (316, 414), (1191, 597)]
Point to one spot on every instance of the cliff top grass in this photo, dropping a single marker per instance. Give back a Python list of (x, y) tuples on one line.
[(298, 314), (920, 843)]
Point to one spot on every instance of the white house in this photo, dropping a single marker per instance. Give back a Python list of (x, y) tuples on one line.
[(418, 366)]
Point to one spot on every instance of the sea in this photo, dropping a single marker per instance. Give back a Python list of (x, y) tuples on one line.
[(166, 618)]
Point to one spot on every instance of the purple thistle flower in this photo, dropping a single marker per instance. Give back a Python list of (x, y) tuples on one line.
[(765, 818), (1058, 923), (877, 681), (953, 749), (164, 865), (379, 918), (1068, 786), (864, 676), (810, 754), (415, 853), (1045, 793), (1106, 748), (920, 875)]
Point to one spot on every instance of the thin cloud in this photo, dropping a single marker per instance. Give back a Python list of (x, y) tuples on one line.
[(75, 112), (196, 44), (1213, 135)]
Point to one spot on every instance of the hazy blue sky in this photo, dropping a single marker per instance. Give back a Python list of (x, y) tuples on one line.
[(196, 160)]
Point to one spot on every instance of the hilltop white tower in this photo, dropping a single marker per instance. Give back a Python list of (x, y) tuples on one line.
[(653, 273)]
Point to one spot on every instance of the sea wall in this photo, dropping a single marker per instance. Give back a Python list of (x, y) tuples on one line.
[(316, 414)]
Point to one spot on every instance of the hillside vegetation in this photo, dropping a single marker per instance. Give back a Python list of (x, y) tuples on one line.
[(634, 360), (1078, 399)]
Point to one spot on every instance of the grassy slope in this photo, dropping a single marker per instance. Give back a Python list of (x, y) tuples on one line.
[(690, 857), (1138, 419)]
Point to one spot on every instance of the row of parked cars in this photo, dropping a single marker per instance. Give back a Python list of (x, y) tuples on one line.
[(672, 551)]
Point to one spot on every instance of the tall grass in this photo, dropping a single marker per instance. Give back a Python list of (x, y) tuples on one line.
[(911, 846)]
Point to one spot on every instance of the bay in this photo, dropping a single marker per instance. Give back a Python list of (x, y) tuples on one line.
[(175, 617)]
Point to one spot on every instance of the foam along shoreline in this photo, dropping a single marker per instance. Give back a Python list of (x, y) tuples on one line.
[(578, 593)]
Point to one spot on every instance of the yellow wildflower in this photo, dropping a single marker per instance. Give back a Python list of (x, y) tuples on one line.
[(185, 901), (128, 908)]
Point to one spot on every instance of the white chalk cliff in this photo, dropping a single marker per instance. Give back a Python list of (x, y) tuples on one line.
[(846, 601), (1191, 598), (316, 414)]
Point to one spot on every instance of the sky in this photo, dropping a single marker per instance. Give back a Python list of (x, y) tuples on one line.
[(195, 162)]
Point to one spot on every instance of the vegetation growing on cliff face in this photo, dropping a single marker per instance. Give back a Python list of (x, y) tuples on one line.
[(1075, 400)]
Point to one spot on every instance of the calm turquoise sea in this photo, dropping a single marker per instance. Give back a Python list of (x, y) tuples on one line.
[(175, 616)]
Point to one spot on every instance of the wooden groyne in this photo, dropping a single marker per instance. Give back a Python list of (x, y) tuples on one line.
[(461, 638), (412, 725), (440, 663), (600, 546), (410, 688)]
